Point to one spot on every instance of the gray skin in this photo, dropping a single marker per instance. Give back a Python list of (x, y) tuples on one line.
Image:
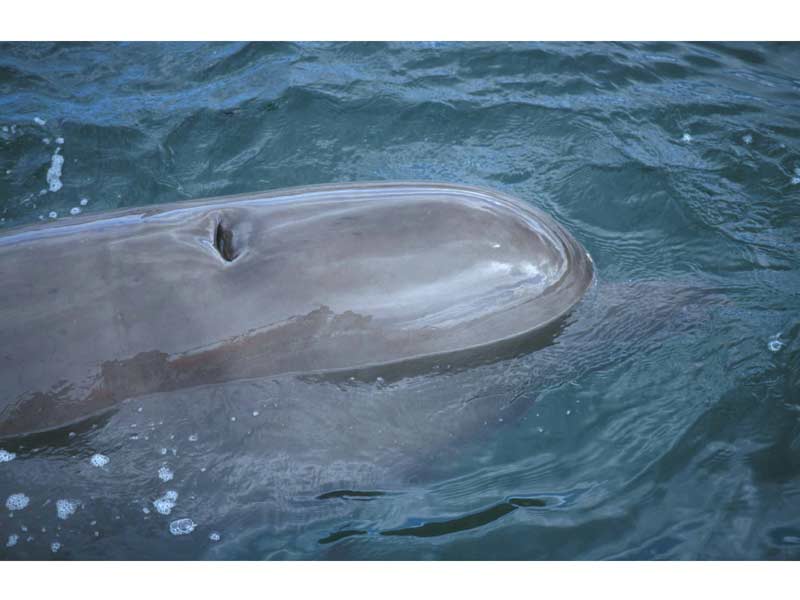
[(324, 279)]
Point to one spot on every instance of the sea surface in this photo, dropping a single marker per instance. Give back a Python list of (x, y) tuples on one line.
[(663, 423)]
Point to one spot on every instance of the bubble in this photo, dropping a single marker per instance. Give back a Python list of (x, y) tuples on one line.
[(233, 418), (181, 527), (84, 201), (748, 139), (214, 536), (163, 451), (255, 413), (12, 540), (74, 211), (165, 474), (52, 214), (686, 137), (45, 141), (17, 501), (55, 547), (65, 508), (145, 510), (166, 503), (59, 140), (6, 456), (99, 460), (39, 121), (775, 345), (54, 172), (193, 437)]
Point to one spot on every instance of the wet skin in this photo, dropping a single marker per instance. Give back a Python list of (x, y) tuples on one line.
[(315, 280)]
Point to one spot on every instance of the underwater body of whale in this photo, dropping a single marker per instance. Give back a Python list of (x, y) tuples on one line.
[(101, 309)]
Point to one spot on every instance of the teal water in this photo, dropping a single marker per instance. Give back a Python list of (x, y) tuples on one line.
[(664, 424)]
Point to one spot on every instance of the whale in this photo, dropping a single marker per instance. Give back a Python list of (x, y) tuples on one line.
[(327, 279), (313, 372)]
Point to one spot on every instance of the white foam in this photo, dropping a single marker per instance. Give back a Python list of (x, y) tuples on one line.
[(74, 211), (55, 547), (748, 139), (65, 508), (17, 501), (52, 214), (99, 460), (6, 456), (166, 503), (59, 140), (39, 121), (145, 510), (54, 172), (795, 180), (46, 141), (255, 413), (165, 474), (193, 437), (163, 451), (214, 536), (182, 527), (775, 345), (686, 137), (84, 201)]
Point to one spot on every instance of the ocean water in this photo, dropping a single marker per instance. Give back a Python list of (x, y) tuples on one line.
[(663, 423)]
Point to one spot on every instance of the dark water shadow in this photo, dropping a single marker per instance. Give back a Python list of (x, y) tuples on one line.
[(438, 528)]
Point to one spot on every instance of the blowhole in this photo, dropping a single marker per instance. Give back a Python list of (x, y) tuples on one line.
[(223, 242)]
